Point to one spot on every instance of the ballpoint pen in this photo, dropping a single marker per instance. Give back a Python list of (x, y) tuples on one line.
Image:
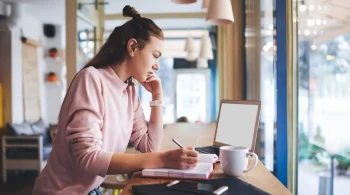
[(177, 143), (181, 146)]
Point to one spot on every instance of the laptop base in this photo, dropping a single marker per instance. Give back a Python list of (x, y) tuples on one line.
[(208, 150)]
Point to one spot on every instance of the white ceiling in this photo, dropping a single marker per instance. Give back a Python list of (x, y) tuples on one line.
[(53, 11), (157, 6), (321, 20), (35, 1), (179, 23), (152, 6), (46, 11)]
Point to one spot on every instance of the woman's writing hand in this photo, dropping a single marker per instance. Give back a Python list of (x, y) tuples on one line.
[(153, 84), (182, 158)]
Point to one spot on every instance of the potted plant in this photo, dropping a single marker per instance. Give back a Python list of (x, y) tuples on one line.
[(53, 52), (52, 77)]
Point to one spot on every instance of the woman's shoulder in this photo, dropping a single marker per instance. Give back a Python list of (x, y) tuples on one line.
[(88, 73), (91, 71)]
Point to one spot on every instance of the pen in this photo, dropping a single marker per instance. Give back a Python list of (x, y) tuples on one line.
[(177, 143)]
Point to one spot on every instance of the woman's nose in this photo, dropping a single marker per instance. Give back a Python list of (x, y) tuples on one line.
[(155, 67)]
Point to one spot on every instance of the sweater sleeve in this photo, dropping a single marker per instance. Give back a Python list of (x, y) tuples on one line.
[(85, 120), (146, 137)]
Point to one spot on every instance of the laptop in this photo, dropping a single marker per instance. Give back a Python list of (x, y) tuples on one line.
[(237, 125)]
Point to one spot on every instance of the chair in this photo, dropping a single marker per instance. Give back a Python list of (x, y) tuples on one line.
[(115, 182), (26, 147)]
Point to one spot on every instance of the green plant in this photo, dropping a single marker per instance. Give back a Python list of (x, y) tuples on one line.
[(304, 145), (343, 161)]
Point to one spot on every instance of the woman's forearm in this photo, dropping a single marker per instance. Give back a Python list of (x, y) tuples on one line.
[(157, 111), (181, 158), (127, 163)]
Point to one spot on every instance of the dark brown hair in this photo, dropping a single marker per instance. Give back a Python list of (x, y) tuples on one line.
[(114, 51)]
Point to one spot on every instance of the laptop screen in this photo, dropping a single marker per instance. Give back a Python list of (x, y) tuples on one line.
[(236, 125)]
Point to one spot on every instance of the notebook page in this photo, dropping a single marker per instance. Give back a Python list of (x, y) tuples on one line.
[(207, 158), (201, 171)]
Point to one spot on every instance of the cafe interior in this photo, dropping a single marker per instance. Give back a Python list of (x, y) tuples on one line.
[(288, 56)]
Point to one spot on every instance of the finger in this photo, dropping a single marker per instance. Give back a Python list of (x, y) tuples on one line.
[(148, 78), (192, 160), (191, 153), (152, 74), (188, 166), (189, 147), (152, 79)]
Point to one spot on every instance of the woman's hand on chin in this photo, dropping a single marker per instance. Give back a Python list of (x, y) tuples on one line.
[(153, 84)]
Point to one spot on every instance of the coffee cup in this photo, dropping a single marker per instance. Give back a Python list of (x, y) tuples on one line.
[(234, 160)]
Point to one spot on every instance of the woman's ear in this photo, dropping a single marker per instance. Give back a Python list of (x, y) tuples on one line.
[(132, 45)]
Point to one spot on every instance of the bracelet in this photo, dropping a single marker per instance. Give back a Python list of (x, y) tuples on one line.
[(156, 103)]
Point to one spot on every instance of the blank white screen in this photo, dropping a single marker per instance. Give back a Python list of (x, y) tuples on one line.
[(236, 124)]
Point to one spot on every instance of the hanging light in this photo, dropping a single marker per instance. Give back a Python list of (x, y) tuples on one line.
[(205, 4), (206, 51), (183, 1), (17, 13), (220, 12), (190, 48)]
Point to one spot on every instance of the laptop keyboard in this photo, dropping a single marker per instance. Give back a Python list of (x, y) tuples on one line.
[(208, 150)]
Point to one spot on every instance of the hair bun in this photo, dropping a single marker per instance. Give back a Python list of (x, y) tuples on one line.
[(129, 11)]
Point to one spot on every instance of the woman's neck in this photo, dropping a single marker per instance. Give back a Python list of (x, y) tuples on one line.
[(122, 71)]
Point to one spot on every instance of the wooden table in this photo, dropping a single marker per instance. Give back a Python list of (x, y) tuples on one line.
[(201, 135)]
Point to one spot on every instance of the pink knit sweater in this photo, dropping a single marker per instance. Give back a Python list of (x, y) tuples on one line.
[(100, 115)]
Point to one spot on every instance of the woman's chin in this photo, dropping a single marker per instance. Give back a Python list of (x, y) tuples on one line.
[(141, 80)]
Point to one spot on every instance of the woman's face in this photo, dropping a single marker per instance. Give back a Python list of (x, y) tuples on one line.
[(146, 60)]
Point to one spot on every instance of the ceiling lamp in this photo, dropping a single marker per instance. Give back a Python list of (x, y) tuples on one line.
[(220, 12), (183, 1), (16, 14), (190, 48), (205, 4), (206, 51)]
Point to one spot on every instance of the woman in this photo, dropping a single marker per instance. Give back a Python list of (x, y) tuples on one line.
[(101, 113)]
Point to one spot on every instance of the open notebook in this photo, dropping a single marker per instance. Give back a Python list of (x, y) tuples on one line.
[(203, 169)]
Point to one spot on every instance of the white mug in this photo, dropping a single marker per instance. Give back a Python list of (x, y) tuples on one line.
[(234, 160)]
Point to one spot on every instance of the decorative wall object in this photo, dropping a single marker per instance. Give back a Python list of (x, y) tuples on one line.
[(53, 52), (54, 70), (52, 77), (49, 30), (220, 12), (31, 93)]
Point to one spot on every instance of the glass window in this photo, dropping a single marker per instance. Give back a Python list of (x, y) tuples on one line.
[(186, 90), (192, 98), (323, 95), (165, 73), (260, 51)]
